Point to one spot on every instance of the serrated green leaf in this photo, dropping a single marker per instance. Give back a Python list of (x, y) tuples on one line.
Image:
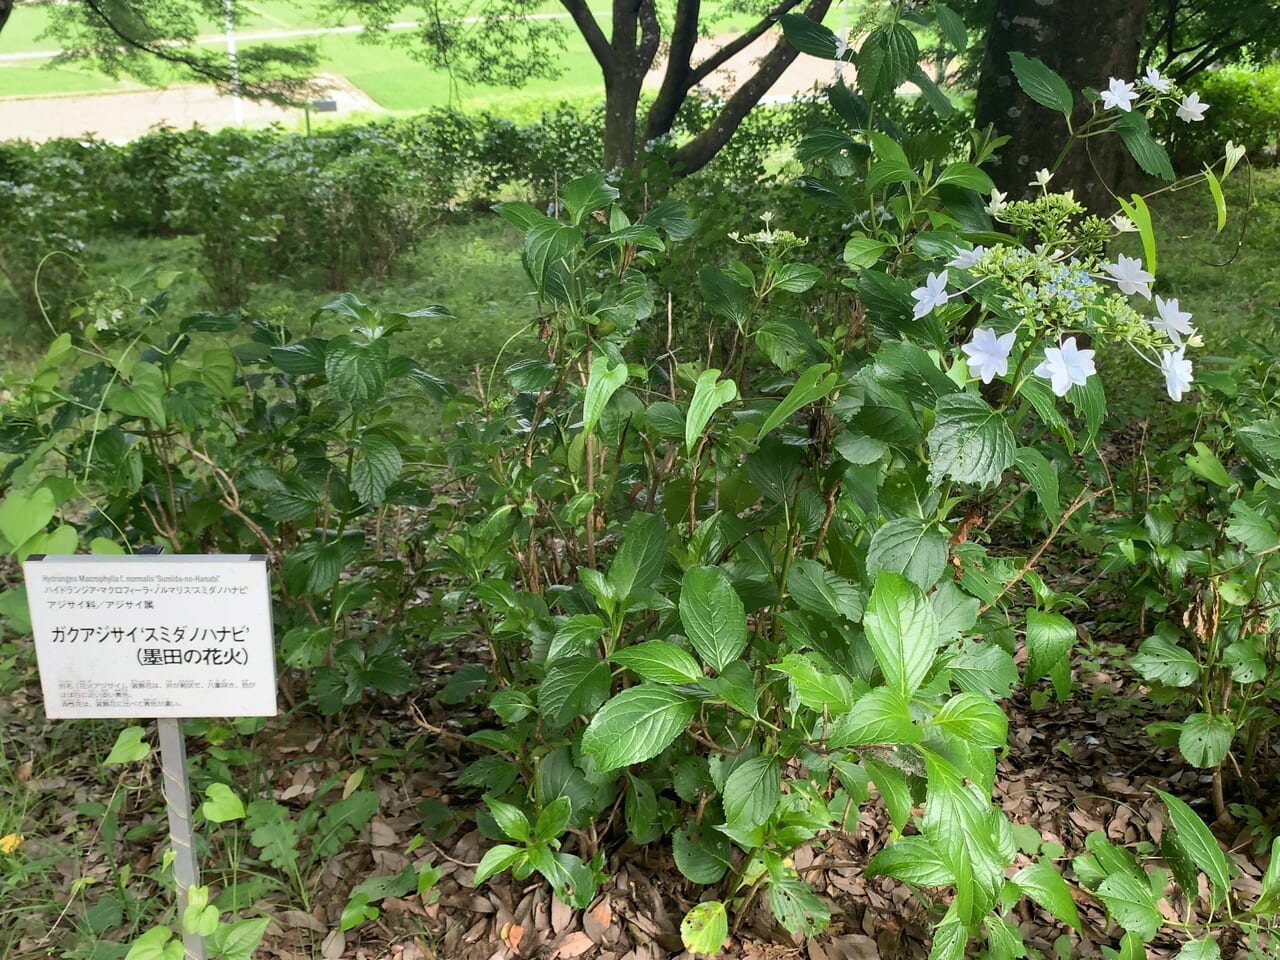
[(713, 615), (495, 860), (881, 717), (1163, 660), (902, 630), (511, 820), (659, 661), (587, 194), (912, 860), (1206, 949), (822, 691), (909, 546), (952, 27), (970, 442), (818, 590), (1205, 740), (973, 717), (1149, 155), (751, 792), (377, 465), (1041, 83), (357, 371), (574, 686), (1131, 904), (637, 725), (1039, 472), (1200, 844)]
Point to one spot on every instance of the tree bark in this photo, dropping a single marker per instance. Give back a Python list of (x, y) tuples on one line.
[(1086, 41)]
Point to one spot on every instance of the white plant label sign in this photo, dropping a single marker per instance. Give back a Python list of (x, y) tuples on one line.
[(153, 636)]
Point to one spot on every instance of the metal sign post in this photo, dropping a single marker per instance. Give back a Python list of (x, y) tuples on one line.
[(177, 801), (162, 637)]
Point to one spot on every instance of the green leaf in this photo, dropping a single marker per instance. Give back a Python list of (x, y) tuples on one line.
[(1004, 939), (1271, 879), (910, 546), (1131, 904), (659, 661), (637, 725), (156, 944), (892, 786), (709, 395), (547, 247), (59, 541), (902, 630), (1140, 214), (128, 747), (984, 668), (574, 686), (809, 37), (377, 465), (885, 59), (554, 819), (273, 832), (796, 277), (1206, 949), (1041, 84), (511, 820), (1205, 740), (221, 804), (1199, 843), (713, 615), (357, 371), (950, 938), (912, 860), (21, 518), (881, 717), (1205, 463), (1249, 527), (970, 442), (303, 358), (1039, 472), (143, 395), (814, 384), (578, 635), (862, 253), (701, 857), (965, 175), (495, 860), (1045, 885), (891, 164), (973, 717), (725, 295), (1050, 637), (1219, 201), (602, 383), (821, 691), (751, 793), (1163, 660), (586, 195), (239, 939), (952, 27), (817, 590), (639, 560), (705, 928), (1150, 155)]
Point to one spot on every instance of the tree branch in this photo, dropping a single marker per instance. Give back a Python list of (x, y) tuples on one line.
[(695, 154), (586, 23), (731, 50)]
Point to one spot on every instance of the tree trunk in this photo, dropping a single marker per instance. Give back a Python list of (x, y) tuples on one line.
[(1086, 41), (6, 8)]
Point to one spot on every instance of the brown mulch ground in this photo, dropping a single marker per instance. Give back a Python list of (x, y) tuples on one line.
[(1073, 768)]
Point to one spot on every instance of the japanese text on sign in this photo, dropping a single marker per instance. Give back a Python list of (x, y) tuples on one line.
[(153, 636)]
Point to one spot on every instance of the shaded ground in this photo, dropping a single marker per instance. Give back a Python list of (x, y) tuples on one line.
[(1073, 768)]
